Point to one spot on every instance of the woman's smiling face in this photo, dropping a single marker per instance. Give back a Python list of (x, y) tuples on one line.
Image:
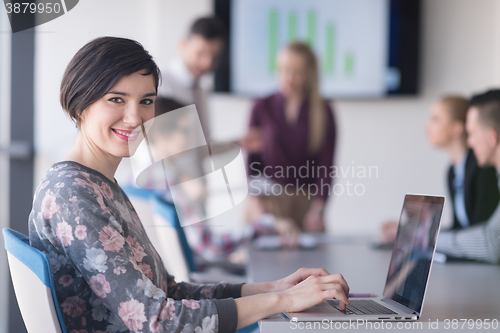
[(110, 123)]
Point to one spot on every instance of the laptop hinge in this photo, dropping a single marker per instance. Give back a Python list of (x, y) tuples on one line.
[(399, 306)]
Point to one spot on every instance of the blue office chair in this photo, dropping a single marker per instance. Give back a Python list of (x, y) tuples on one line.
[(167, 222), (254, 328), (162, 232), (167, 211), (33, 285)]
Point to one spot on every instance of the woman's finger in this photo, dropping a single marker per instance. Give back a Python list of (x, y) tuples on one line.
[(306, 272), (336, 291), (336, 278)]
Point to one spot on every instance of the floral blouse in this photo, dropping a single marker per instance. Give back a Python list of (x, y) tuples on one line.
[(108, 276)]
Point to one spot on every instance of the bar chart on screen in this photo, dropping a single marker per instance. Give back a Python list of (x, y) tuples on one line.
[(292, 34), (349, 37)]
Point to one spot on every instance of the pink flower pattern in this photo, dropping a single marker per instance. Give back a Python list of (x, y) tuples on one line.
[(168, 311), (81, 182), (99, 285), (137, 248), (119, 270), (111, 239), (65, 233), (154, 324), (81, 232), (107, 191), (49, 205), (103, 206), (73, 306), (66, 280), (146, 269), (192, 304), (132, 314)]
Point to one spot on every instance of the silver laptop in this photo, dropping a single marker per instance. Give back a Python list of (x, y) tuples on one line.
[(408, 274)]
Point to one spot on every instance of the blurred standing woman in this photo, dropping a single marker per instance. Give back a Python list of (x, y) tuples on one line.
[(108, 276), (291, 142)]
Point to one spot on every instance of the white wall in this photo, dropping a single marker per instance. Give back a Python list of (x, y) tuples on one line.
[(461, 43), (461, 54)]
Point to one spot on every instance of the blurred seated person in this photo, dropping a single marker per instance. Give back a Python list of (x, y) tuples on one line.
[(482, 240), (413, 251), (170, 136), (291, 142), (473, 190)]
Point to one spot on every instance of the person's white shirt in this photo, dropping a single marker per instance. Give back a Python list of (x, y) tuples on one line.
[(178, 82)]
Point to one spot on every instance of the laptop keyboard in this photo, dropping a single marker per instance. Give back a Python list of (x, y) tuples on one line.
[(361, 307)]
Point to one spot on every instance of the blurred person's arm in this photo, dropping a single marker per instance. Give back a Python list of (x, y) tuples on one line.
[(480, 242), (388, 231), (325, 156), (313, 220), (213, 246), (252, 141)]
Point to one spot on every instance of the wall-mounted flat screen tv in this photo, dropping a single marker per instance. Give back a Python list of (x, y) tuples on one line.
[(365, 48)]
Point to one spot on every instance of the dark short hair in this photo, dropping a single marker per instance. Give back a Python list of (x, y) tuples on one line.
[(210, 28), (165, 105), (488, 104), (97, 67)]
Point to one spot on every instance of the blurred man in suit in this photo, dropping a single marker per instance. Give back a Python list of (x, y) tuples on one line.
[(187, 79), (480, 241)]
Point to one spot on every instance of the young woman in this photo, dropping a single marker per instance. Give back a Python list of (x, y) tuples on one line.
[(473, 190), (291, 142), (107, 274)]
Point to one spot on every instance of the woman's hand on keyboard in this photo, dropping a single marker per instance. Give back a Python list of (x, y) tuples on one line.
[(309, 287)]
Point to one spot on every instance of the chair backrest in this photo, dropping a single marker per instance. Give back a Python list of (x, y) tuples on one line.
[(168, 222), (140, 200), (162, 225), (33, 285)]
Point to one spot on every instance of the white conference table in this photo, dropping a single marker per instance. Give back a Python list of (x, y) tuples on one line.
[(456, 290)]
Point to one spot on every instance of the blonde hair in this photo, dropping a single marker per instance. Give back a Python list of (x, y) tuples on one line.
[(317, 119), (457, 107)]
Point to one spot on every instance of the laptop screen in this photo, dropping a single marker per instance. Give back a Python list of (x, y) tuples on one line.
[(413, 250)]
